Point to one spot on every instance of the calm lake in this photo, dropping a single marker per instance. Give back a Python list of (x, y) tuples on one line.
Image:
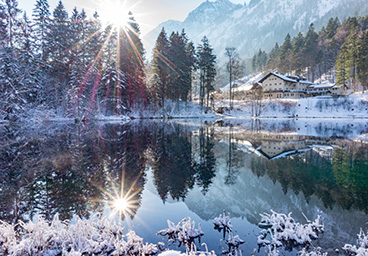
[(179, 169)]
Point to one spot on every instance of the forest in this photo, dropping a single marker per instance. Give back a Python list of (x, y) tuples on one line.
[(72, 65), (339, 50)]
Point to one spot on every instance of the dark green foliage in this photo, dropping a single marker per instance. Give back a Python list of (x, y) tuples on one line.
[(207, 69), (173, 66), (259, 61), (338, 45)]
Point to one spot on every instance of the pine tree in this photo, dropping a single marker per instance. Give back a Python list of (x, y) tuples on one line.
[(41, 15), (3, 34), (132, 56), (273, 57), (161, 66), (207, 69), (352, 57), (177, 56), (297, 53), (341, 73), (191, 65), (332, 27), (285, 55), (58, 45), (362, 60), (12, 21), (310, 51)]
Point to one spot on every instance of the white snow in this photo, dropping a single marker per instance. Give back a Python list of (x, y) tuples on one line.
[(282, 228), (184, 232), (94, 236), (223, 222), (361, 249), (353, 106)]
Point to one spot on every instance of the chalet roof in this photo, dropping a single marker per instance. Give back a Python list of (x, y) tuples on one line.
[(284, 154), (321, 86), (287, 78)]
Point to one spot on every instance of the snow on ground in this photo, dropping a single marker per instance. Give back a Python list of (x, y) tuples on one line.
[(174, 110), (244, 83), (354, 106)]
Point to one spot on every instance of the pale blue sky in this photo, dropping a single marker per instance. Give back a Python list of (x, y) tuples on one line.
[(149, 13)]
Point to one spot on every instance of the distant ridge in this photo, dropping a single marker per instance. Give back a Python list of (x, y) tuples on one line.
[(260, 24)]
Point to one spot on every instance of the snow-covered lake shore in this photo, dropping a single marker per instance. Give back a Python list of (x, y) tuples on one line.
[(352, 107)]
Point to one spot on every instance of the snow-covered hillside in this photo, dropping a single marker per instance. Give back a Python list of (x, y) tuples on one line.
[(259, 24)]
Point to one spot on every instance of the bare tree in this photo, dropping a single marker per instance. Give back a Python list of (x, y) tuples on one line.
[(235, 70), (256, 100)]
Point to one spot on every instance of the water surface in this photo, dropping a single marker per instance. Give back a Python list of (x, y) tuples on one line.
[(175, 170)]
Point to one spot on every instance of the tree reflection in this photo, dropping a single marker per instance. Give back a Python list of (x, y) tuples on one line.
[(205, 165), (173, 166), (75, 170)]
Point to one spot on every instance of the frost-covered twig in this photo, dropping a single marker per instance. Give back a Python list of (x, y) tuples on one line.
[(314, 252), (223, 222), (283, 230), (184, 232), (361, 249)]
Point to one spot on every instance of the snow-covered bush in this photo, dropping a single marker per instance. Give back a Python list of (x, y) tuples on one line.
[(95, 236), (361, 249), (315, 252), (184, 232), (223, 222), (282, 230)]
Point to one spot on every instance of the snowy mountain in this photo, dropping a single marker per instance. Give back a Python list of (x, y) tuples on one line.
[(258, 24)]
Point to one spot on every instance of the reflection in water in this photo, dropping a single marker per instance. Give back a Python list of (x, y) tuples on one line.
[(77, 170)]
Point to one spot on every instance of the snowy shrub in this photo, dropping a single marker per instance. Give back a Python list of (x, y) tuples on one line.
[(315, 252), (361, 249), (184, 232), (283, 230), (223, 222), (96, 236), (7, 238)]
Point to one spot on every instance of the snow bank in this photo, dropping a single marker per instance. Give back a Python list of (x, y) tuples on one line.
[(354, 106)]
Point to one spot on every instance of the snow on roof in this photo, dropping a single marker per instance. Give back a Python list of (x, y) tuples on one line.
[(320, 86), (288, 78), (244, 83)]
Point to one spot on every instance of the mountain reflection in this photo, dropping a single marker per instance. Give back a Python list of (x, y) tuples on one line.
[(76, 170)]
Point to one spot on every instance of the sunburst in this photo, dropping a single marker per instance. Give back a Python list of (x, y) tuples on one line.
[(115, 13)]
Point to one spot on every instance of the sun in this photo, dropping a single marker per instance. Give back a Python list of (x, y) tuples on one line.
[(120, 204), (115, 13)]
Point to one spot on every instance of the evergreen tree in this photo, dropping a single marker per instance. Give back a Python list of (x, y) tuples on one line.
[(58, 46), (161, 66), (285, 55), (41, 16), (362, 60), (12, 21), (341, 73), (207, 69), (3, 34), (273, 57), (352, 57), (179, 87), (132, 56), (310, 51), (297, 53)]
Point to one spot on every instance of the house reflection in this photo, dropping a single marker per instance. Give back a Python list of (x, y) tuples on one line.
[(282, 145)]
